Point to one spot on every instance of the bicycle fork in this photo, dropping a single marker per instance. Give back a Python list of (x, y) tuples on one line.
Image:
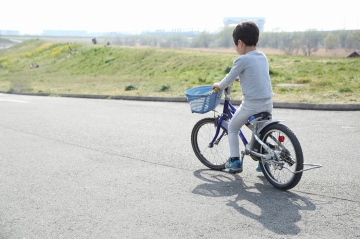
[(219, 121)]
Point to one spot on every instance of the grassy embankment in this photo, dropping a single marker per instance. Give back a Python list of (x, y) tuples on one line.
[(115, 70)]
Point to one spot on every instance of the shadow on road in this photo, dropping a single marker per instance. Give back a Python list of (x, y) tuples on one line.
[(276, 210)]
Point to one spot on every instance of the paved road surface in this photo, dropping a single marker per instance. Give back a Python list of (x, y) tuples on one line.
[(86, 168)]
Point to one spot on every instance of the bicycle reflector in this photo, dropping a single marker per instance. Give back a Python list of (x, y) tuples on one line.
[(281, 138)]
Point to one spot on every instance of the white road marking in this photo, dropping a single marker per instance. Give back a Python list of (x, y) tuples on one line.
[(18, 101), (347, 127)]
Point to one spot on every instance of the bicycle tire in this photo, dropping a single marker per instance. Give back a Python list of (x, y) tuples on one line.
[(292, 157), (213, 157)]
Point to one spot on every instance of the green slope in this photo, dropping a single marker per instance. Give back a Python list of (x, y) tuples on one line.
[(115, 70)]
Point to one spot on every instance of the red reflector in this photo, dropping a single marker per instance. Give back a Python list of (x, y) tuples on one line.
[(281, 138)]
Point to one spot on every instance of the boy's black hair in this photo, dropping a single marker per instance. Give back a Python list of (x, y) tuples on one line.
[(247, 32)]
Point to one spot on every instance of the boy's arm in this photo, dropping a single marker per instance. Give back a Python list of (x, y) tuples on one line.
[(216, 86), (232, 75)]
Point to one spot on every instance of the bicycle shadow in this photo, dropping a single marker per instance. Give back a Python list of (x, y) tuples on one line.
[(276, 210)]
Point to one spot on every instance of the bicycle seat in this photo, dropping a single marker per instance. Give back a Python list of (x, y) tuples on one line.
[(263, 116)]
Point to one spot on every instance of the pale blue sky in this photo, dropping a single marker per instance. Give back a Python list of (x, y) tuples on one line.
[(34, 16)]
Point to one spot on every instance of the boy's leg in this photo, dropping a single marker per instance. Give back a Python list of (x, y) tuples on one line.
[(238, 120), (234, 163)]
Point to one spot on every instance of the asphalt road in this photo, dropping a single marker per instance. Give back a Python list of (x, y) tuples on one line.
[(87, 168)]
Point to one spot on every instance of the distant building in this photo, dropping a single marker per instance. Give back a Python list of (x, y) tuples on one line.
[(65, 33), (162, 32), (115, 34), (354, 54), (9, 32), (259, 21)]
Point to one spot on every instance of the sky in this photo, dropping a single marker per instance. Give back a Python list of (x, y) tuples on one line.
[(134, 16)]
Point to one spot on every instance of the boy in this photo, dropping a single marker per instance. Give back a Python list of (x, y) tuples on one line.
[(253, 70)]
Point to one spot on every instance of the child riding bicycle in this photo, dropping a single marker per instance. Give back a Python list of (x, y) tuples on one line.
[(253, 70)]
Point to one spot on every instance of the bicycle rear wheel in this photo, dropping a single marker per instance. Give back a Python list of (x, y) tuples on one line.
[(285, 144), (214, 156)]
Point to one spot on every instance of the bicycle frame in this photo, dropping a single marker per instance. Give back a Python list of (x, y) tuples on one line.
[(228, 112)]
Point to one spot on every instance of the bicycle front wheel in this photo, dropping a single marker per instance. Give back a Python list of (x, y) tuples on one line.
[(284, 172), (213, 156)]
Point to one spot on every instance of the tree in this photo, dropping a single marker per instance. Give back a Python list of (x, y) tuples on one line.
[(179, 41), (342, 37), (117, 41), (309, 42), (275, 40), (148, 40), (224, 37), (331, 41), (357, 37), (165, 42), (264, 39), (352, 40), (290, 43), (130, 40), (203, 40)]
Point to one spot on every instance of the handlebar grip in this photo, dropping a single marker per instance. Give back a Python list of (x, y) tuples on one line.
[(216, 89)]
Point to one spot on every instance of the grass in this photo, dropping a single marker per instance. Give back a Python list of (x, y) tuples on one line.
[(140, 71)]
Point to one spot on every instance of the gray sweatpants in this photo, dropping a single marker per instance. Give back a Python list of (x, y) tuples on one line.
[(242, 114)]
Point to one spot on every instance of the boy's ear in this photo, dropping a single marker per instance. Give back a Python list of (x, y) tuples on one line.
[(240, 42)]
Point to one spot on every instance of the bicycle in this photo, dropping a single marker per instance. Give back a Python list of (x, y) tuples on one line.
[(272, 144)]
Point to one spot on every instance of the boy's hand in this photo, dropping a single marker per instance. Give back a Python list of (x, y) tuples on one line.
[(216, 87)]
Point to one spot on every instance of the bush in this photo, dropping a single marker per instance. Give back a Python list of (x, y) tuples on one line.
[(227, 69), (130, 87), (345, 90), (273, 72), (164, 88)]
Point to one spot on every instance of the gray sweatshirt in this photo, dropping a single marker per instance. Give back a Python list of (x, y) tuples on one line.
[(253, 71)]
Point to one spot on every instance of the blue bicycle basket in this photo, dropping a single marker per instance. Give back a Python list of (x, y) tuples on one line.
[(202, 99)]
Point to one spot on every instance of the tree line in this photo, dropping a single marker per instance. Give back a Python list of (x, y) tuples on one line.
[(291, 43)]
